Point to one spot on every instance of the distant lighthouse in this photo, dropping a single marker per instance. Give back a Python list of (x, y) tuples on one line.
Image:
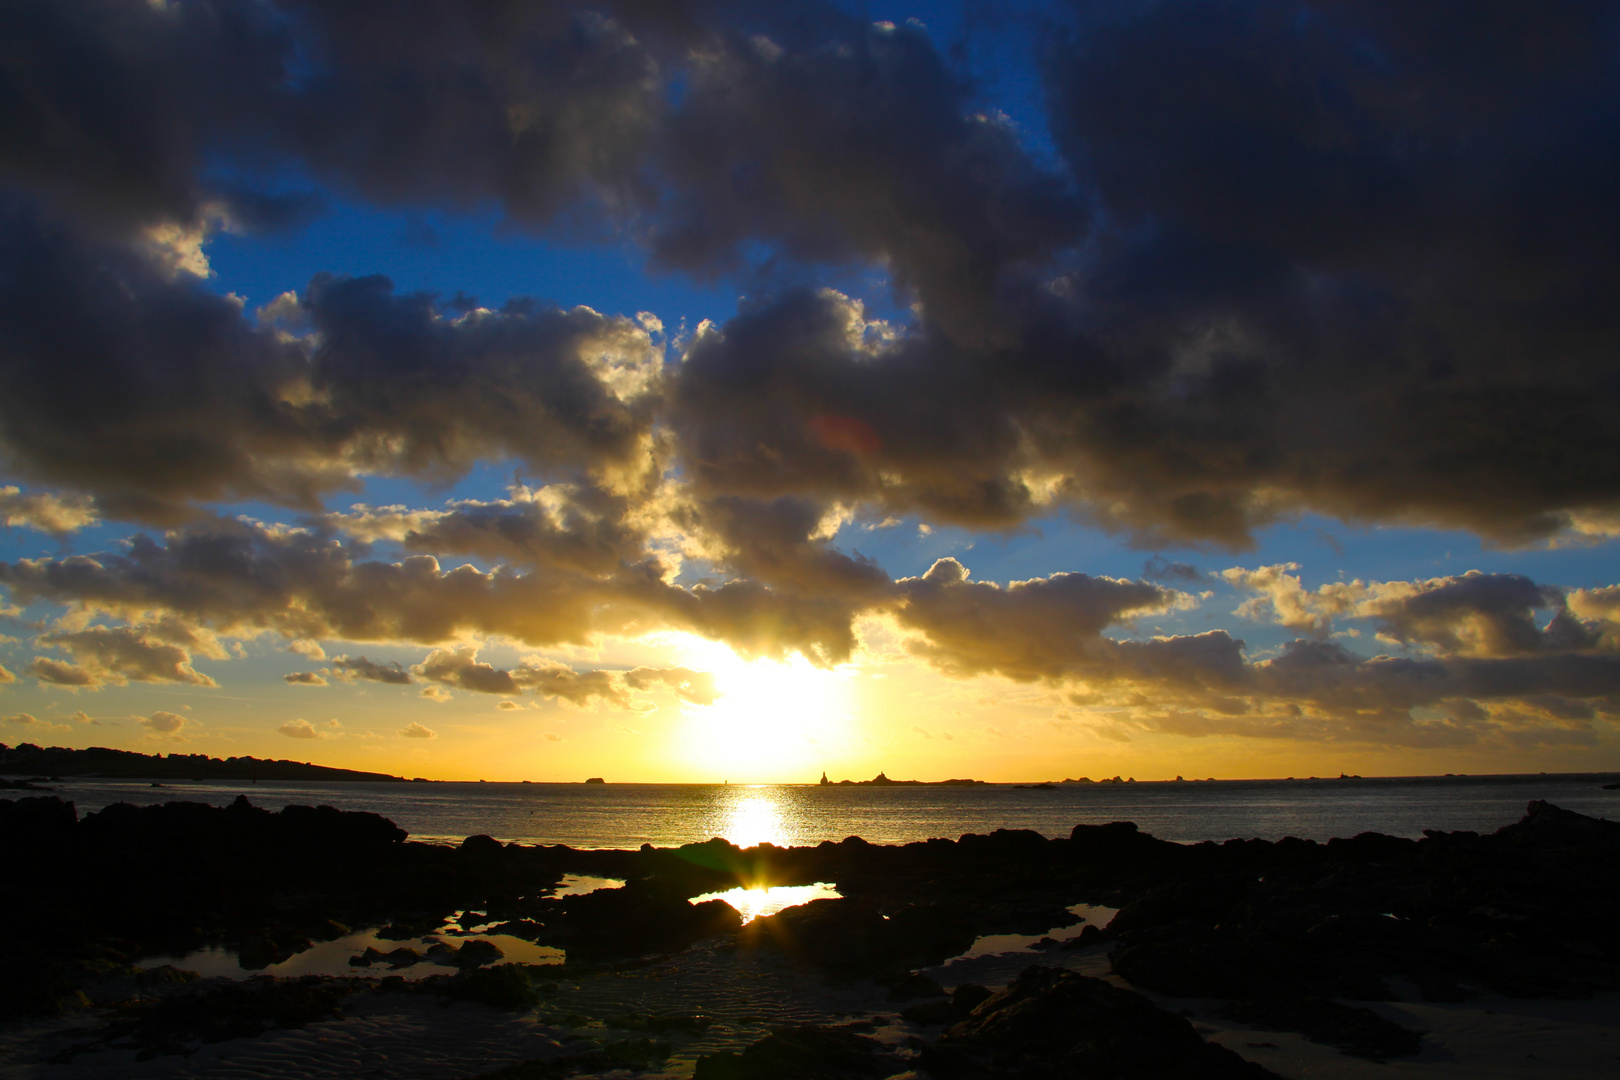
[(824, 780)]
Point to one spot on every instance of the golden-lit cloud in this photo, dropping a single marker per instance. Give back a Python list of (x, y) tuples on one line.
[(45, 511), (162, 723), (114, 656)]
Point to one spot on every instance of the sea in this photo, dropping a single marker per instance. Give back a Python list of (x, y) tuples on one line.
[(667, 815)]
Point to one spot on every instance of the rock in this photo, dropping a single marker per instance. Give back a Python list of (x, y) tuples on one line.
[(476, 954), (482, 846), (504, 986), (803, 1053), (1354, 1030), (969, 996), (913, 986), (402, 957), (259, 951), (1055, 1023), (931, 1012), (635, 921)]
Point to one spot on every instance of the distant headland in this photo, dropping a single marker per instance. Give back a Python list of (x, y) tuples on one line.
[(881, 780), (100, 761)]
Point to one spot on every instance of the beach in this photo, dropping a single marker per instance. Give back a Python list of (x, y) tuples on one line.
[(1459, 954)]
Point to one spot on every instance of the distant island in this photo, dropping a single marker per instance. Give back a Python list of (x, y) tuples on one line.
[(50, 762), (881, 780)]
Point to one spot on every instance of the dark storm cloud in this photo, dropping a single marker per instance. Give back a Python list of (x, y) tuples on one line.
[(1370, 252), (121, 109), (1292, 255), (1350, 263), (867, 146), (155, 393)]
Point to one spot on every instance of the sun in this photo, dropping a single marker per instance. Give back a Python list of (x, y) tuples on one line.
[(772, 721)]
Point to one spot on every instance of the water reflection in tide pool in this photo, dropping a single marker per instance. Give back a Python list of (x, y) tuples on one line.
[(331, 958), (582, 884), (753, 903)]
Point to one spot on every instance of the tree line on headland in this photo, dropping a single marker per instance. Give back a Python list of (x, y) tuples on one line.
[(104, 762)]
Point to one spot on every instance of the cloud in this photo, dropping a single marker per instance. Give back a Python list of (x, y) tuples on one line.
[(236, 577), (114, 656), (1044, 628), (298, 729), (304, 678), (1158, 568), (435, 693), (696, 687), (30, 722), (46, 511), (6, 676), (162, 723), (307, 648), (1282, 597), (572, 526), (460, 667), (248, 411), (413, 730), (1470, 614), (1249, 277), (349, 669)]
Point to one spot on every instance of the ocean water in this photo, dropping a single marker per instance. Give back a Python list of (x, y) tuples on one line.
[(629, 815)]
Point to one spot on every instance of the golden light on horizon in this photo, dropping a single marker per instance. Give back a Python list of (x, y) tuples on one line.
[(768, 719)]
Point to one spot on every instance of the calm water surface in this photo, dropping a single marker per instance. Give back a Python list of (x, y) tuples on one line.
[(628, 815)]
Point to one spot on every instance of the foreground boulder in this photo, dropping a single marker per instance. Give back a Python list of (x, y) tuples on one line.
[(852, 936), (1052, 1023)]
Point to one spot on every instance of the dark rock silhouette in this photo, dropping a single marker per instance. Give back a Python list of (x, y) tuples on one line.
[(1287, 935), (1053, 1023)]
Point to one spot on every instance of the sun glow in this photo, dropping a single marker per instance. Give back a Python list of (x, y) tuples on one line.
[(773, 720)]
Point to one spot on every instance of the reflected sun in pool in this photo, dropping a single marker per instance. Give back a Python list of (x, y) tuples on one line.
[(752, 903)]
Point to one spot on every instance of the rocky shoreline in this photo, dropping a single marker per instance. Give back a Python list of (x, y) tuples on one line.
[(1296, 937)]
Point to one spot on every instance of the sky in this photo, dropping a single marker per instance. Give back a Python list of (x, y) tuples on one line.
[(701, 391)]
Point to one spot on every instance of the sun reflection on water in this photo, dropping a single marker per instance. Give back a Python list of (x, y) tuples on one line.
[(752, 903), (755, 819)]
